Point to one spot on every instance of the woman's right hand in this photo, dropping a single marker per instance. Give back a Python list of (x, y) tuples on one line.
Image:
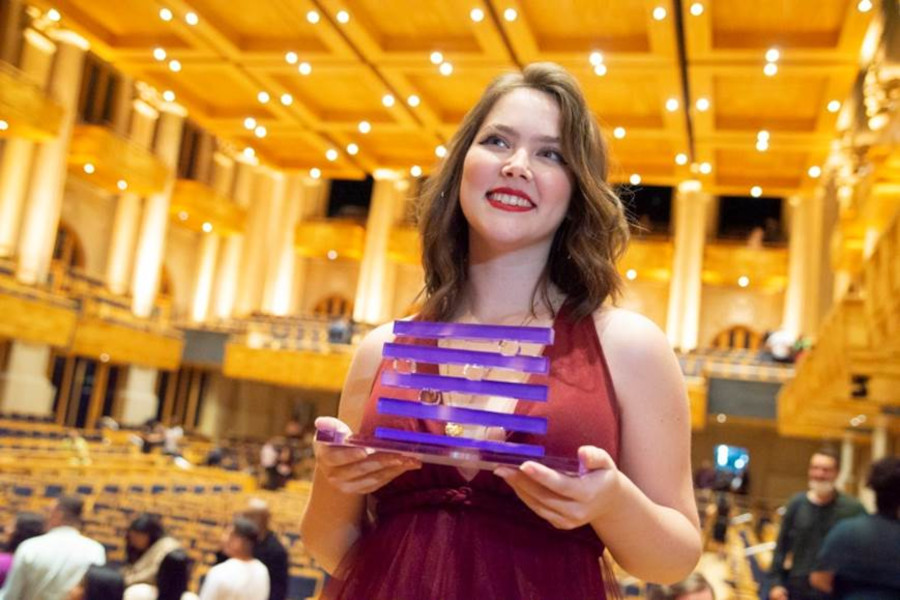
[(357, 470)]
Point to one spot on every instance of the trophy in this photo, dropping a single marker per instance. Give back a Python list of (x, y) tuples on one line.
[(453, 446)]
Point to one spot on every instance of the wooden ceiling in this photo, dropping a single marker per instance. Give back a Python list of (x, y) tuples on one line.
[(240, 48)]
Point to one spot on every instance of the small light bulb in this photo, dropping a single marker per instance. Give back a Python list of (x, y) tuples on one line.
[(249, 123), (331, 154), (291, 58), (510, 14), (762, 145), (304, 68), (702, 104), (762, 134), (619, 132), (696, 9), (596, 58), (773, 54), (631, 274), (681, 158), (249, 152), (263, 97), (635, 179), (436, 58), (287, 99), (122, 185), (332, 254), (207, 227), (165, 14), (183, 216), (705, 168), (365, 127), (343, 17), (815, 171), (89, 168), (313, 17), (260, 131), (756, 191), (387, 100), (600, 70), (174, 66), (415, 171), (834, 106), (54, 15), (659, 13), (169, 96), (159, 54), (672, 104), (413, 101), (477, 15), (743, 281), (315, 173), (4, 125), (864, 6), (441, 151), (352, 149), (446, 69), (191, 19), (770, 69)]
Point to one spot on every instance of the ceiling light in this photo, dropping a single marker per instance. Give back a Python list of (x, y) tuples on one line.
[(635, 179), (191, 18), (743, 281), (659, 13), (249, 152), (122, 185), (770, 69), (387, 100), (596, 58), (879, 121), (291, 58), (815, 171), (446, 69), (183, 216), (263, 97), (756, 191), (207, 227), (174, 66), (510, 14), (705, 168), (631, 274), (696, 9), (834, 106), (4, 125), (672, 104), (305, 68), (773, 54), (681, 158), (287, 99), (415, 171), (413, 101), (352, 149), (159, 54), (260, 131), (331, 154), (477, 15), (315, 173), (619, 132), (313, 17), (762, 145), (332, 254), (165, 14), (762, 134), (89, 168), (436, 58), (864, 6), (441, 151), (343, 17), (169, 96), (365, 127), (702, 104), (600, 70), (54, 15), (249, 123)]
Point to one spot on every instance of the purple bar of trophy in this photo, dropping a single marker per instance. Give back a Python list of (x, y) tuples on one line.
[(443, 356), (519, 391), (463, 416), (458, 442), (468, 331)]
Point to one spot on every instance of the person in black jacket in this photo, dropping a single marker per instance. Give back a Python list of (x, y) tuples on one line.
[(269, 549)]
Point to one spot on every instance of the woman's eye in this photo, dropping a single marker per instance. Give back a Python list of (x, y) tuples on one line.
[(554, 156), (494, 140)]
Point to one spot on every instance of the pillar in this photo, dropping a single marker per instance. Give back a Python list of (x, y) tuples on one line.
[(279, 280), (242, 176), (846, 479), (206, 267), (262, 219), (15, 164), (683, 319), (47, 177), (24, 388), (10, 18), (155, 220), (801, 302), (375, 287), (128, 207), (138, 395)]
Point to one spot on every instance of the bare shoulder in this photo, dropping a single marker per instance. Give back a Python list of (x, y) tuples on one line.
[(628, 336)]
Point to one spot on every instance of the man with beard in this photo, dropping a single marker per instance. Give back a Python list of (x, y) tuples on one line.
[(807, 520)]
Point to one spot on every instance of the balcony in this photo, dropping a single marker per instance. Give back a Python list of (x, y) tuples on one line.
[(34, 315), (649, 258), (118, 164), (28, 111), (330, 238), (766, 267), (195, 204)]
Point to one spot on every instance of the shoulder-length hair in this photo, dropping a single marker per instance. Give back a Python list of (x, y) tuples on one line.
[(148, 524), (588, 243)]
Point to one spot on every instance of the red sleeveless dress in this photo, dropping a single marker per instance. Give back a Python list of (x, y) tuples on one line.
[(437, 536)]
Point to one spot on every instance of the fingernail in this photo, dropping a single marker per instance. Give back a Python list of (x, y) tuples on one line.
[(503, 472)]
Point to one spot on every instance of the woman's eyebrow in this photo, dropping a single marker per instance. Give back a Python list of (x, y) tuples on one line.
[(548, 139)]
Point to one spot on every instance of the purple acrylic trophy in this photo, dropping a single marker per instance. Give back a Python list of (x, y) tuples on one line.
[(452, 448)]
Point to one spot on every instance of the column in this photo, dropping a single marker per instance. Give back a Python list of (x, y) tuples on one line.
[(801, 303), (880, 449), (24, 388), (280, 277), (10, 18), (262, 219), (846, 480), (206, 267), (155, 220), (138, 395), (683, 320), (374, 290), (15, 164), (230, 262), (128, 207)]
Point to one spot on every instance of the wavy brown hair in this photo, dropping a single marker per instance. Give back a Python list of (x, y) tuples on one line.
[(589, 241)]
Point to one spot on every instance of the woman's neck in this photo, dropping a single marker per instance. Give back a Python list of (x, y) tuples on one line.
[(502, 288)]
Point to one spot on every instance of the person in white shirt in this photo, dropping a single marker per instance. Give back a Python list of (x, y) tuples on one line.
[(241, 577), (46, 567)]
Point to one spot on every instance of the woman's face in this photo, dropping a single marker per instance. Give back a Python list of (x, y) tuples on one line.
[(139, 540), (516, 187)]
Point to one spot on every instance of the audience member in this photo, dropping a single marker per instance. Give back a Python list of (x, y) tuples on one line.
[(48, 566), (268, 549), (807, 520), (172, 580), (860, 558), (172, 436), (27, 526), (77, 447), (695, 587), (241, 577), (98, 583), (146, 545)]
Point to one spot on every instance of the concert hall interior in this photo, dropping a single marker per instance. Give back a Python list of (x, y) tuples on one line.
[(205, 205)]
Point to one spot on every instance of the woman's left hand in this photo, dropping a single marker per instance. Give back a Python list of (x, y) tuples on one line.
[(564, 501)]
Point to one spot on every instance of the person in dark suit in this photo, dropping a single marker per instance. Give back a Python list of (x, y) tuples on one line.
[(269, 549)]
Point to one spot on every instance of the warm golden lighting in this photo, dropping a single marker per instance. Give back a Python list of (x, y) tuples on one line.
[(260, 131), (159, 54), (315, 173), (596, 58), (413, 101), (631, 274), (600, 70), (331, 154), (304, 68), (756, 191), (175, 66), (476, 15), (165, 14), (343, 17), (352, 149), (263, 97), (619, 133), (702, 104), (681, 158), (249, 123), (743, 281), (122, 185), (672, 104), (207, 227), (291, 58), (773, 54), (169, 96), (705, 168), (332, 255), (387, 100), (415, 171), (696, 9), (365, 127), (815, 171), (441, 151), (191, 19), (446, 69), (834, 106), (864, 6), (770, 69), (436, 58), (510, 14), (635, 179), (287, 99), (89, 168), (4, 125), (313, 17), (54, 15), (659, 13)]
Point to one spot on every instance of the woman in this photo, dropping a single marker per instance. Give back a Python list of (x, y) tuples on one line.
[(520, 227), (146, 544), (99, 583), (28, 525), (171, 581)]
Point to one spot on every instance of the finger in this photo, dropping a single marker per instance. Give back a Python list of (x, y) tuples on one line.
[(521, 479), (542, 508), (560, 484), (332, 424), (593, 458), (362, 468), (331, 456)]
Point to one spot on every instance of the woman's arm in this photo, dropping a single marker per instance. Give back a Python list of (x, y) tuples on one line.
[(654, 531), (331, 523)]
